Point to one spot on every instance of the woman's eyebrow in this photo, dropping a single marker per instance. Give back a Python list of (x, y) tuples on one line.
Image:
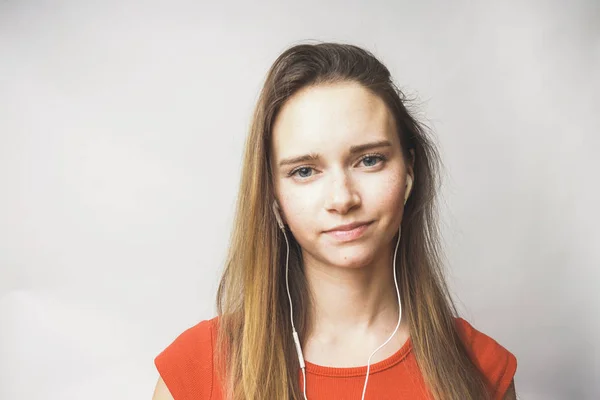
[(368, 146), (353, 149)]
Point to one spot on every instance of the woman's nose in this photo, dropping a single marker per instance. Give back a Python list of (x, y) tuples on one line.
[(342, 195)]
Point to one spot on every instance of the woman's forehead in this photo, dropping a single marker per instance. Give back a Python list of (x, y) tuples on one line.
[(331, 118)]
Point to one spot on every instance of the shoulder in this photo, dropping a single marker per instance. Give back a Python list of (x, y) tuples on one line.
[(496, 362), (186, 364)]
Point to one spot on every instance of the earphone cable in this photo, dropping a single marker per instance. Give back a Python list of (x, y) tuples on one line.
[(295, 334), (399, 318)]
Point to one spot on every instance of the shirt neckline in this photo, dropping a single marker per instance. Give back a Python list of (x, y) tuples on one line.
[(362, 370)]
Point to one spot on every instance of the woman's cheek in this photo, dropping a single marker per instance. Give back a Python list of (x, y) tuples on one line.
[(294, 210), (387, 194)]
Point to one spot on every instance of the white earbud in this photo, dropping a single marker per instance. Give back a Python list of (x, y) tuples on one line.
[(278, 215), (408, 188)]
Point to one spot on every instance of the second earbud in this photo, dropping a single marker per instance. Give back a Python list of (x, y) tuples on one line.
[(409, 181)]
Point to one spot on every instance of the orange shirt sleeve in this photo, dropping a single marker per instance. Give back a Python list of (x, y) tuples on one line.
[(496, 362), (186, 365)]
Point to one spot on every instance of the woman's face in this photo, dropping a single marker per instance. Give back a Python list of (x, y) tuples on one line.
[(337, 160)]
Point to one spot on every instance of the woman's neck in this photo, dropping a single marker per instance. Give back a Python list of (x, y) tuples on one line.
[(352, 302)]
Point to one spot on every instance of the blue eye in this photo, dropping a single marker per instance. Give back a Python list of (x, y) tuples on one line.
[(299, 172), (371, 159)]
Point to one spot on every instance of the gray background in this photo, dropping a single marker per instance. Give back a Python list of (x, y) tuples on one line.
[(121, 132)]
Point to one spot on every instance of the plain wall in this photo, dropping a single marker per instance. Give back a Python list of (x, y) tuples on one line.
[(121, 132)]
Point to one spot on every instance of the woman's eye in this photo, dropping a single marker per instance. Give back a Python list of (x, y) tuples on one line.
[(371, 161), (302, 172)]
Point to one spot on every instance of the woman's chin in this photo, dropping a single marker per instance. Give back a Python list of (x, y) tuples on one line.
[(349, 259)]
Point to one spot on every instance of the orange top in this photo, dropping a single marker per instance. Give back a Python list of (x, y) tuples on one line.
[(186, 367)]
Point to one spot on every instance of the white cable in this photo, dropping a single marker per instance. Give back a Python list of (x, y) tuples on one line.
[(397, 325), (295, 334)]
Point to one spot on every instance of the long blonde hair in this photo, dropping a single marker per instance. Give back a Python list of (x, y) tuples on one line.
[(255, 348)]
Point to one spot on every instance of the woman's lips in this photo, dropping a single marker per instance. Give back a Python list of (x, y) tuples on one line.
[(349, 235)]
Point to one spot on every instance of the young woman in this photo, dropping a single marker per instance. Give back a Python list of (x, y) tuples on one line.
[(333, 286)]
